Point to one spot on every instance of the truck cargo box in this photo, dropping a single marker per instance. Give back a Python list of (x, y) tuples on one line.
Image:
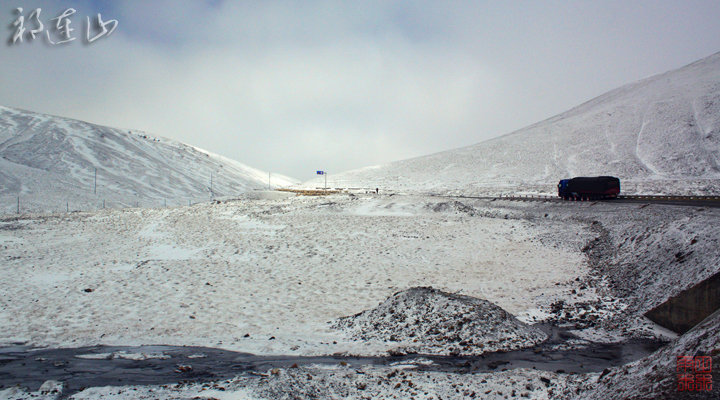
[(589, 188)]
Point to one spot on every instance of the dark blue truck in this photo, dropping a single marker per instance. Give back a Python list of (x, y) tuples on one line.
[(589, 188)]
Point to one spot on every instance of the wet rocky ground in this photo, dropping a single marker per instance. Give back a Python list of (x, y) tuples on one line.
[(102, 366)]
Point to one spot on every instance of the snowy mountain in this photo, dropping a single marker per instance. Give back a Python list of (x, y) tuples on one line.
[(659, 134), (50, 163)]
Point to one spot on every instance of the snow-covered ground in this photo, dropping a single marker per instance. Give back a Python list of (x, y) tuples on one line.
[(278, 276), (50, 163), (212, 273), (658, 135), (340, 382)]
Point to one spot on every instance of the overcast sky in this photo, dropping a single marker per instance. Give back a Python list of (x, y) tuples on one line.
[(292, 87)]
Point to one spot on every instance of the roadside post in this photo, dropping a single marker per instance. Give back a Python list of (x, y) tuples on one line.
[(325, 174)]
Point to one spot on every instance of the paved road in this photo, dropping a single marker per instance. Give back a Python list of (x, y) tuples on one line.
[(688, 201)]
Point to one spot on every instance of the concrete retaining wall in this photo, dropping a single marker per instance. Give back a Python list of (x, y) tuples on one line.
[(690, 307)]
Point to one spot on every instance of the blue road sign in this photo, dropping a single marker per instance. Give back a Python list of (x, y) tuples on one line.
[(321, 172)]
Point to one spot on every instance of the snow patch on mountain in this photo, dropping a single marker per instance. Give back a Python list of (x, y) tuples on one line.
[(658, 135)]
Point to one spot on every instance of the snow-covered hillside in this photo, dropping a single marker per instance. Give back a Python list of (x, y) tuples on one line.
[(50, 163), (658, 134)]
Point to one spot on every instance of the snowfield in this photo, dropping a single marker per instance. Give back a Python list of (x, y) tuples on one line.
[(212, 273), (335, 275)]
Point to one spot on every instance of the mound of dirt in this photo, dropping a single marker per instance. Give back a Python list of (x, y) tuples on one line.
[(429, 321), (452, 206)]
